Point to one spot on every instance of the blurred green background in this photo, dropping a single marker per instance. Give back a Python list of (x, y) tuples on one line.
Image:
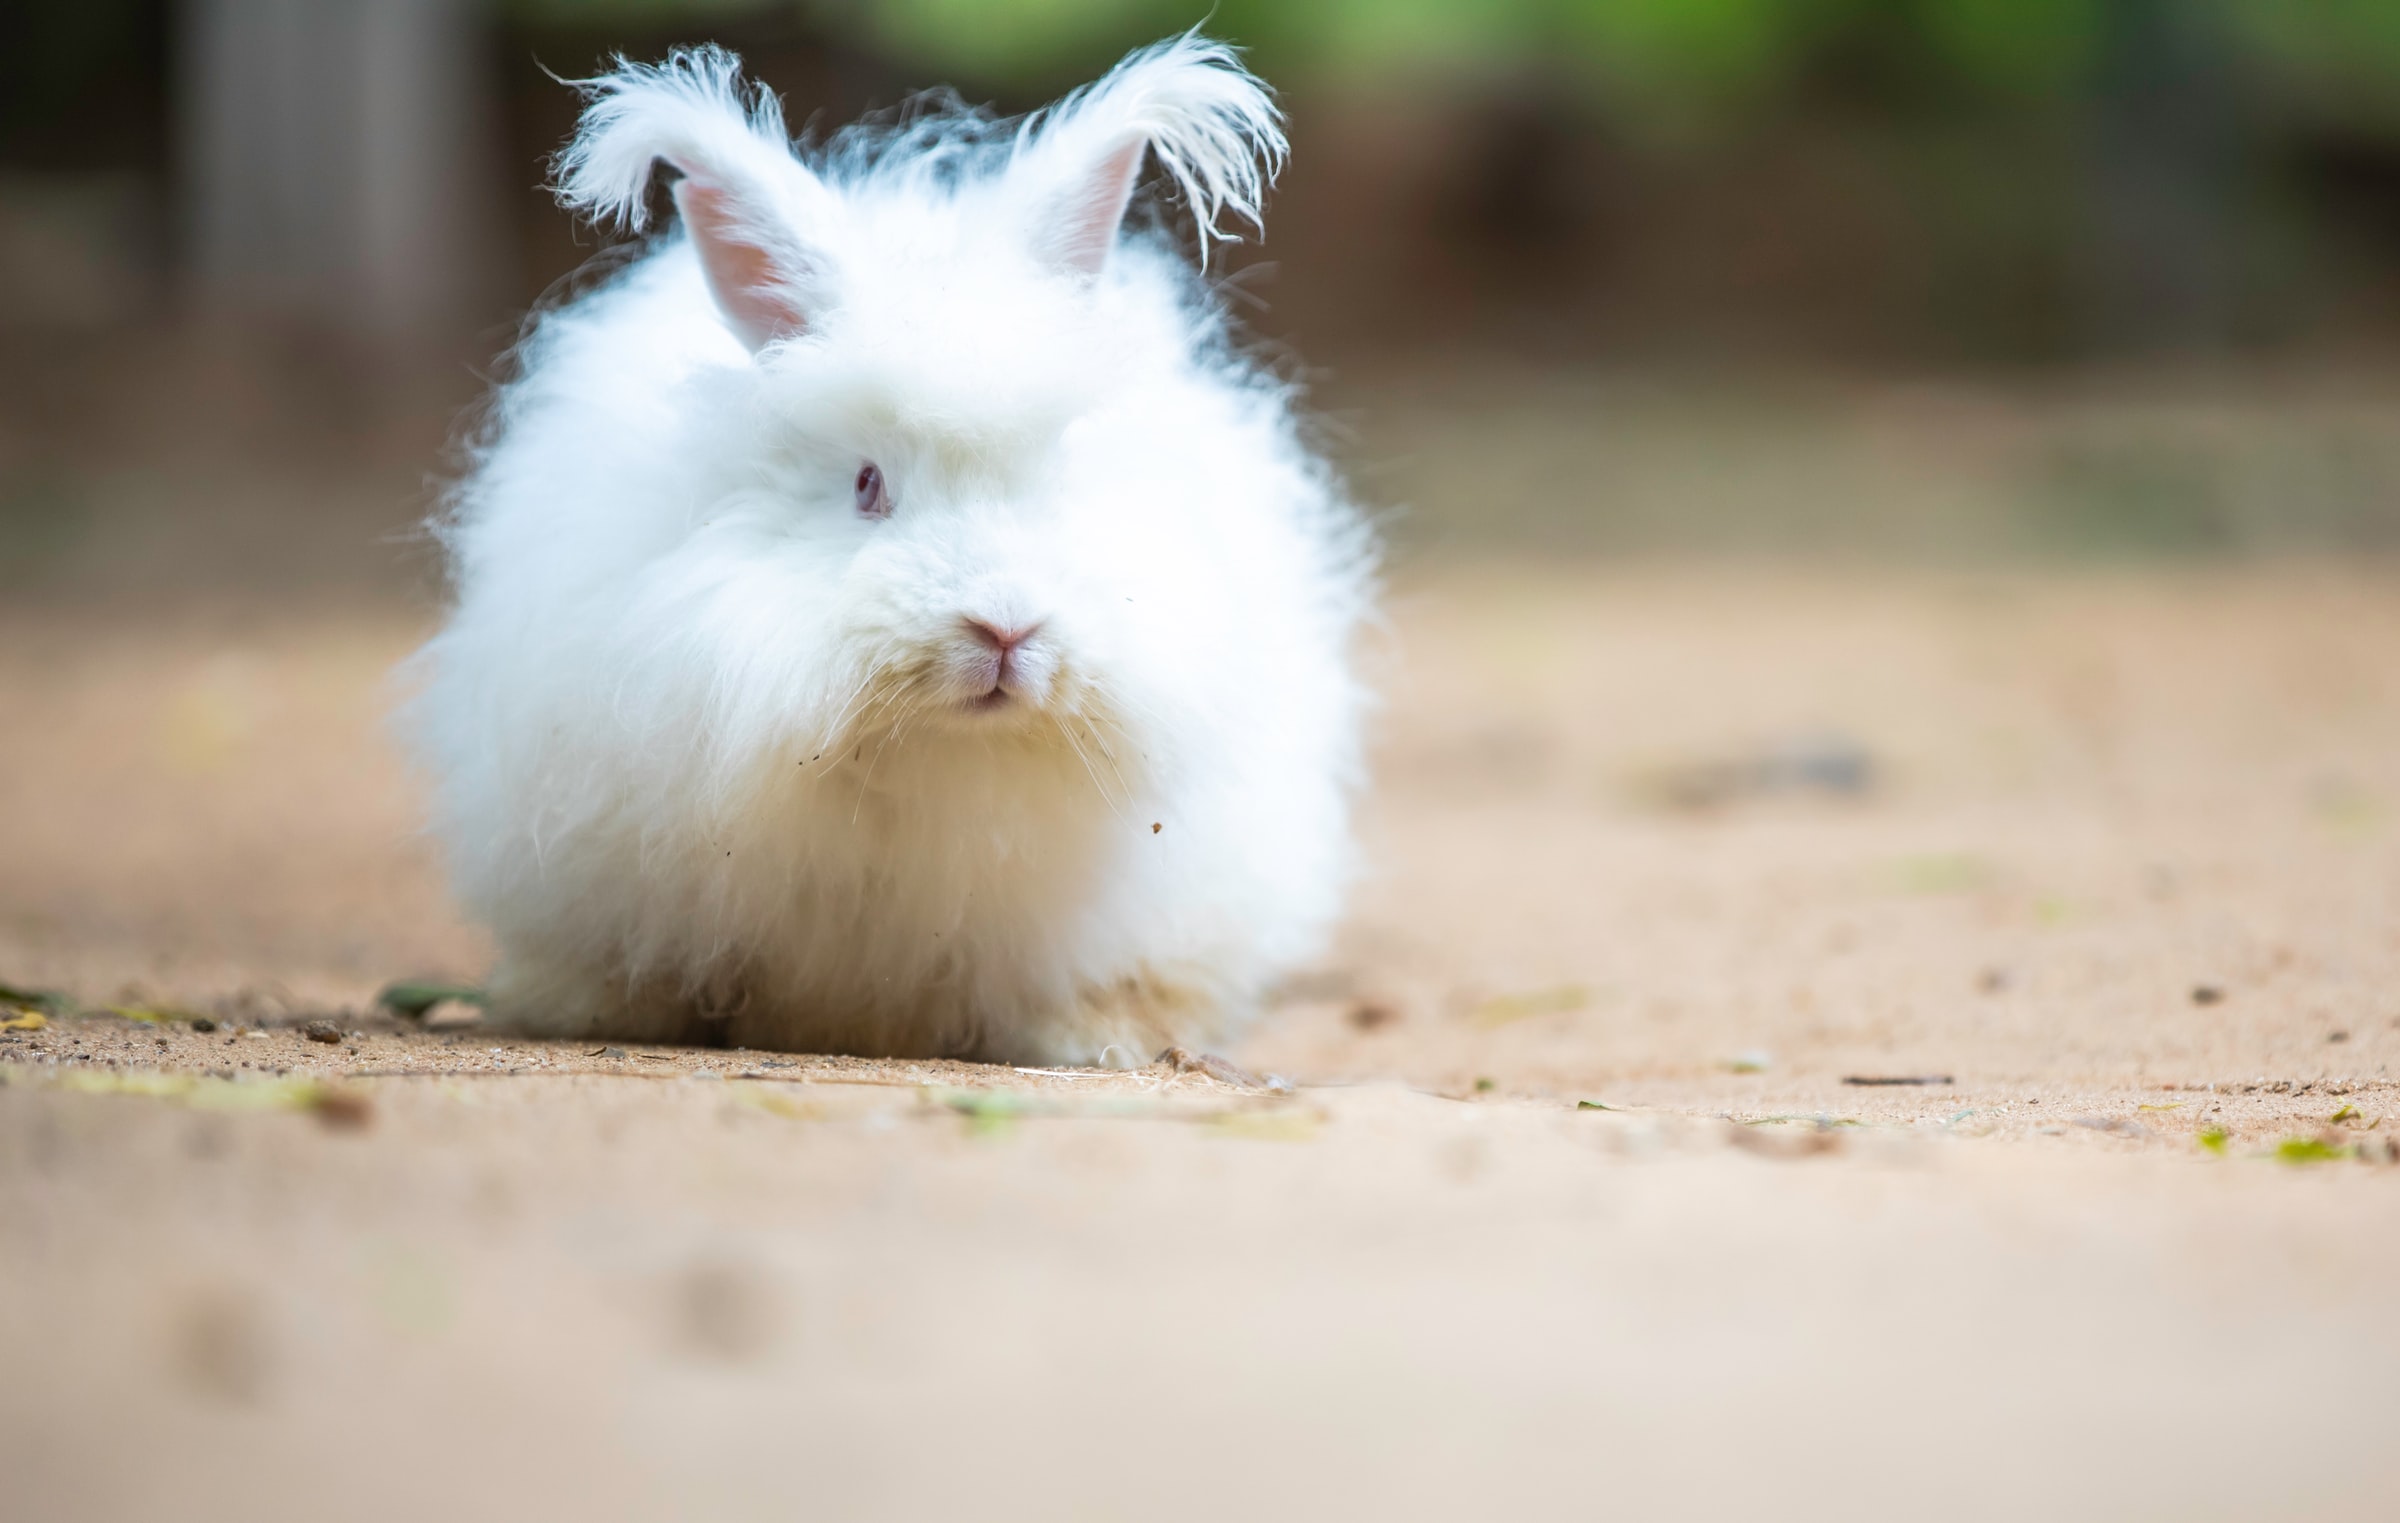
[(1946, 278)]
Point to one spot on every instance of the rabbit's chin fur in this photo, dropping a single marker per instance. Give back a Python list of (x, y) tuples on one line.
[(722, 741)]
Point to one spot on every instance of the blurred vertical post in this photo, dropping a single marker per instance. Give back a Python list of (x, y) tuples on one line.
[(334, 165), (2168, 152)]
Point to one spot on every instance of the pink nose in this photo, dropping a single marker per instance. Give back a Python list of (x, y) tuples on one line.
[(1002, 638)]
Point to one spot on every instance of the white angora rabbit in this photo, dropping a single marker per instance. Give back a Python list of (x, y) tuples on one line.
[(892, 618)]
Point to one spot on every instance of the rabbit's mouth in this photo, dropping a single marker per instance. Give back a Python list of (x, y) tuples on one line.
[(1007, 699), (987, 697), (1002, 665)]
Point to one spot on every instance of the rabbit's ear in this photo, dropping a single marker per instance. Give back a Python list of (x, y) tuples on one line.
[(763, 283), (1216, 130), (743, 197)]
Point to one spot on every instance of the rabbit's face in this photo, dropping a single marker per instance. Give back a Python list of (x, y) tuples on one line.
[(936, 516)]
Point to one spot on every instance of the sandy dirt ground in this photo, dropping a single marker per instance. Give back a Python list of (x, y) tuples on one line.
[(1572, 1202)]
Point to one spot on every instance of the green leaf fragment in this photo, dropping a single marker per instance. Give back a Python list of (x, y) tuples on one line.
[(1944, 873), (1502, 1009), (155, 1015), (162, 1085), (764, 1097), (205, 1093), (2213, 1141), (2308, 1150), (989, 1112), (48, 1002)]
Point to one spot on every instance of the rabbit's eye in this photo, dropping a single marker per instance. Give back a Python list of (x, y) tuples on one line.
[(873, 500)]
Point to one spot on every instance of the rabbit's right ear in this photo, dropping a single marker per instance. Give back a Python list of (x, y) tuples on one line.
[(743, 197)]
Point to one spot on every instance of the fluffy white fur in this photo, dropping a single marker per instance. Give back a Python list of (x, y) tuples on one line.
[(720, 758)]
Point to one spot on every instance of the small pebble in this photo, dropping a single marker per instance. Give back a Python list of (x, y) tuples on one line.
[(204, 1025), (2207, 994), (322, 1031)]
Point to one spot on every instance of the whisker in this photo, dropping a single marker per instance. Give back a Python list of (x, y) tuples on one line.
[(854, 735), (1092, 728), (836, 735), (843, 710), (1099, 787), (890, 735), (1091, 734)]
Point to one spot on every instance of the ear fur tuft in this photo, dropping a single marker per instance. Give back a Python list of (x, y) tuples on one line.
[(746, 200), (690, 110), (1214, 126)]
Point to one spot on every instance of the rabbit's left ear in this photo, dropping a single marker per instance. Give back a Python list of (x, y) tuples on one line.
[(748, 206), (1216, 130)]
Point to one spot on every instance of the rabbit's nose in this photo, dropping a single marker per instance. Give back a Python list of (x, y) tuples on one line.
[(1002, 638)]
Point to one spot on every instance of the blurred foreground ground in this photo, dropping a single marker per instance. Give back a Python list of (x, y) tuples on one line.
[(2111, 849)]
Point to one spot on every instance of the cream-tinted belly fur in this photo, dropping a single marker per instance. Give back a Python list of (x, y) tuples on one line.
[(906, 905)]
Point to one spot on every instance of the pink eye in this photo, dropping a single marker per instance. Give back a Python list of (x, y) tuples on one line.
[(873, 500)]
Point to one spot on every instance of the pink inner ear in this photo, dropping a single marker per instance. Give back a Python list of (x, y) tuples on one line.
[(751, 284), (1087, 224)]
